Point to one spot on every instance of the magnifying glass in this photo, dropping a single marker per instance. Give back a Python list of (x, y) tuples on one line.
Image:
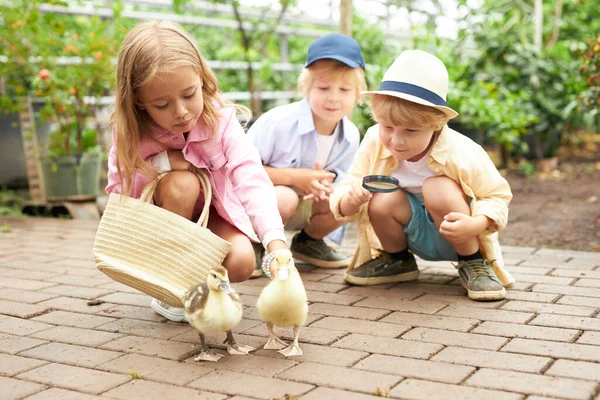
[(380, 183)]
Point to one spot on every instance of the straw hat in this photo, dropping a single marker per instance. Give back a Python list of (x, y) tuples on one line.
[(419, 77)]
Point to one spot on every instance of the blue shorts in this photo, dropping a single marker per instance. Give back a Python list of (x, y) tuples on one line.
[(422, 235)]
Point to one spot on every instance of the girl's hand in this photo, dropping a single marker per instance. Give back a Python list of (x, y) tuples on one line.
[(358, 195), (178, 162), (458, 227)]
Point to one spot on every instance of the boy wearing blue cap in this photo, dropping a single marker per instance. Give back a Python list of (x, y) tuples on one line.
[(452, 202), (309, 145)]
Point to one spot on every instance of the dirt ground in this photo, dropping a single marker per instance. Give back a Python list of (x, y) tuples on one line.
[(559, 209)]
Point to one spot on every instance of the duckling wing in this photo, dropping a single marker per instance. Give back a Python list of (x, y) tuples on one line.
[(195, 304)]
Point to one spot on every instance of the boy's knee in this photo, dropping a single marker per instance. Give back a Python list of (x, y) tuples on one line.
[(378, 207), (439, 191), (287, 202), (241, 261)]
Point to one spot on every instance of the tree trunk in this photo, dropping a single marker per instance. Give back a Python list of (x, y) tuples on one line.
[(346, 17)]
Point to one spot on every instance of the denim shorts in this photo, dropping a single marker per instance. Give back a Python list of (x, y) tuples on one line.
[(422, 235)]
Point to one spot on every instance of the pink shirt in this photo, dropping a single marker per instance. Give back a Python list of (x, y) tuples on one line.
[(242, 191)]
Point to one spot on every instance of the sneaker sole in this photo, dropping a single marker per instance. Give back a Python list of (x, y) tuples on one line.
[(409, 276), (321, 263), (483, 296), (168, 315)]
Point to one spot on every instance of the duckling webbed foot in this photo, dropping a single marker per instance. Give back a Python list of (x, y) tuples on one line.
[(274, 343), (293, 349), (206, 354), (235, 348)]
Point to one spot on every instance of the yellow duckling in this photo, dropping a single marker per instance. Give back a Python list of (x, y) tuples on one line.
[(283, 303), (213, 307)]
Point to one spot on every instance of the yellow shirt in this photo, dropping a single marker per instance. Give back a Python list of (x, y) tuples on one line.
[(452, 155)]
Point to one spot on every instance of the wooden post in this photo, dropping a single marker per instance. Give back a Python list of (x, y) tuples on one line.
[(346, 17), (35, 180)]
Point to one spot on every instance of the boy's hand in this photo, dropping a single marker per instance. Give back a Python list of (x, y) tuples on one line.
[(315, 184), (178, 162), (458, 227), (358, 195)]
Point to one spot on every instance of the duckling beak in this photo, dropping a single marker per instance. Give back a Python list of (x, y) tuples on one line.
[(226, 287), (284, 273)]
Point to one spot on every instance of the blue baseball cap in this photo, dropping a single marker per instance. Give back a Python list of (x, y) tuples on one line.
[(337, 47)]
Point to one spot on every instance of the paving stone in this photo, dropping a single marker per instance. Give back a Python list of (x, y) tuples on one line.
[(151, 347), (132, 312), (77, 291), (580, 301), (355, 311), (325, 287), (15, 344), (141, 389), (568, 290), (22, 310), (332, 298), (431, 321), (84, 281), (532, 384), (590, 338), (321, 354), (190, 335), (249, 385), (62, 394), (594, 283), (12, 365), (550, 280), (486, 314), (24, 296), (529, 306), (308, 334), (78, 336), (325, 393), (146, 328), (526, 331), (424, 307), (157, 369), (17, 389), (19, 326), (518, 270), (366, 327), (71, 354), (424, 390), (118, 287), (575, 369), (132, 299), (24, 284), (409, 367), (253, 364), (531, 296), (383, 345), (564, 321), (74, 305), (573, 351), (73, 319), (339, 377), (458, 300), (366, 291), (576, 274), (459, 339), (75, 378), (492, 359)]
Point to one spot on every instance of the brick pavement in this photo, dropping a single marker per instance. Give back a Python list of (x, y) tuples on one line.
[(418, 340)]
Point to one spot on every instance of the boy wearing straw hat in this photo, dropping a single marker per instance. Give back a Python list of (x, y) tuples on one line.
[(452, 202), (309, 145)]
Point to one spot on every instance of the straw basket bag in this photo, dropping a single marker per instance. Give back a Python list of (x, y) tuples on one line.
[(154, 250)]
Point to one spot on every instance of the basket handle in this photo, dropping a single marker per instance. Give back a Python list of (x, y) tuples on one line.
[(149, 190)]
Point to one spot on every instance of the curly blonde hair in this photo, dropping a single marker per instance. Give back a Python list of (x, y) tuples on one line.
[(149, 49)]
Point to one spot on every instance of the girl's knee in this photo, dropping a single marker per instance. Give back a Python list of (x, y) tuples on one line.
[(241, 260), (179, 185)]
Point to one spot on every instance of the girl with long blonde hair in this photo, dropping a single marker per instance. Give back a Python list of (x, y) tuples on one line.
[(170, 117)]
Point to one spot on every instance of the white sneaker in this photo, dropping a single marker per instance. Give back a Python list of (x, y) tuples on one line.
[(171, 313)]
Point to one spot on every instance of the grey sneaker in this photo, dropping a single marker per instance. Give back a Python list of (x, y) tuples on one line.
[(318, 253), (479, 279), (259, 253), (383, 269)]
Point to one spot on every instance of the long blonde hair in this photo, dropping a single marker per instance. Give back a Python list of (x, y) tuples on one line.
[(149, 49)]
